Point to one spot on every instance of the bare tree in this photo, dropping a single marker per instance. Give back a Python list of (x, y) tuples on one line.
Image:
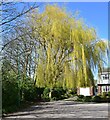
[(13, 16), (17, 37)]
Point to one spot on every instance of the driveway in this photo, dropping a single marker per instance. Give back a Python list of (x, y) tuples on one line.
[(63, 109)]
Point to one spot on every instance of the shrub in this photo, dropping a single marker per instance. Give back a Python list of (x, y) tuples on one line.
[(72, 91), (10, 91), (45, 95), (10, 109), (79, 99), (16, 89), (109, 94), (28, 90), (39, 92), (29, 94), (58, 93), (32, 93), (104, 94), (66, 95), (87, 98), (81, 96), (54, 98), (96, 99), (104, 98), (75, 98)]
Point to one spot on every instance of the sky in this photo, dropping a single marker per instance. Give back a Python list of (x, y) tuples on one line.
[(95, 14)]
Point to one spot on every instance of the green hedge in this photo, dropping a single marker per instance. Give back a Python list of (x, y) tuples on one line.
[(15, 91), (98, 98), (10, 91)]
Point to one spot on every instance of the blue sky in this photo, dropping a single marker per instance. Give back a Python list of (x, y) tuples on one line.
[(95, 14)]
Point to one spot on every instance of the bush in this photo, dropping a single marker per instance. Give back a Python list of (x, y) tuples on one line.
[(72, 91), (79, 99), (104, 94), (109, 94), (96, 99), (28, 90), (104, 97), (39, 92), (87, 98), (45, 95), (81, 96), (54, 98), (10, 91), (29, 94), (14, 91), (10, 109), (58, 93), (66, 96), (75, 98)]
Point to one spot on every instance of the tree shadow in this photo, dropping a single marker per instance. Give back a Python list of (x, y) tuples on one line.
[(30, 110)]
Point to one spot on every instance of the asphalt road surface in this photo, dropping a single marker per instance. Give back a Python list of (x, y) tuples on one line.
[(63, 109)]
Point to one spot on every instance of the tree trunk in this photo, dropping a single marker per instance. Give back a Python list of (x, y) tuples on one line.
[(50, 93)]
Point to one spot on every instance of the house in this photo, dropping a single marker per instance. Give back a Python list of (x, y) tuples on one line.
[(103, 82)]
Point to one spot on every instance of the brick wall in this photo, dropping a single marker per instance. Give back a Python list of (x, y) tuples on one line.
[(91, 90), (99, 89)]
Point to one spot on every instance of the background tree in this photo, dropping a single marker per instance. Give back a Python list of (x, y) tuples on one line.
[(17, 52), (16, 38), (11, 17)]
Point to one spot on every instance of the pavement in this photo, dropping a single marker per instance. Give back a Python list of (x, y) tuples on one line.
[(63, 109)]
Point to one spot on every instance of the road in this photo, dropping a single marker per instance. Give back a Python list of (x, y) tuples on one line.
[(63, 109)]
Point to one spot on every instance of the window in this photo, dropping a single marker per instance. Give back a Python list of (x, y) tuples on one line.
[(106, 77), (105, 88)]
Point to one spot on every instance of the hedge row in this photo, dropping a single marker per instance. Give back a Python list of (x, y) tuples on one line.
[(98, 98)]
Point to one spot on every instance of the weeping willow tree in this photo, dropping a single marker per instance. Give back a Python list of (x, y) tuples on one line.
[(69, 49)]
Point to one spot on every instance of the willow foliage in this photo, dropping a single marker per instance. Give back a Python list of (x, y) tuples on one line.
[(70, 49)]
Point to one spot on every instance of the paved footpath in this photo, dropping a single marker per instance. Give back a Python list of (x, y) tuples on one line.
[(64, 109)]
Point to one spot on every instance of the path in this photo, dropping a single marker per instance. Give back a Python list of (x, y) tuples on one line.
[(64, 109)]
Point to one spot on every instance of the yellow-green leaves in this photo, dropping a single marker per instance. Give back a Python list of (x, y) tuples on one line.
[(68, 48)]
